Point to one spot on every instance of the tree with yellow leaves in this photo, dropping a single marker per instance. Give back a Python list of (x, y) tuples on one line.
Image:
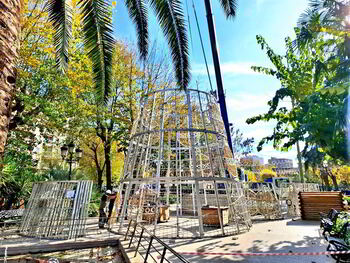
[(267, 173)]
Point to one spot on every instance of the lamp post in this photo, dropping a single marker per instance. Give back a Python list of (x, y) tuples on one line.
[(70, 156)]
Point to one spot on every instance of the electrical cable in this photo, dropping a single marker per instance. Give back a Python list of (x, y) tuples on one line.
[(200, 37), (189, 25)]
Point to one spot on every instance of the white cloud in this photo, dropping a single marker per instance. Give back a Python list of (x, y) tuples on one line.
[(226, 68), (248, 102), (258, 133), (268, 152), (244, 105)]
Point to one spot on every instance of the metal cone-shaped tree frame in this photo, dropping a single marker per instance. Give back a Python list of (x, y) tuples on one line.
[(179, 174)]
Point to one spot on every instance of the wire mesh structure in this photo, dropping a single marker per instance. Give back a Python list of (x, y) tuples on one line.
[(291, 194), (264, 200), (274, 202), (179, 174), (57, 210)]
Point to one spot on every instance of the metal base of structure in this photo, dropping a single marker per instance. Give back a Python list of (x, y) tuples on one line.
[(179, 175), (275, 202), (171, 211), (57, 210)]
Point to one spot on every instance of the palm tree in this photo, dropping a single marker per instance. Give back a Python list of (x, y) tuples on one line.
[(98, 40), (9, 46), (327, 22)]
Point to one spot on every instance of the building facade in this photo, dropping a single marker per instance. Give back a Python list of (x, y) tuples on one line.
[(282, 166), (253, 159)]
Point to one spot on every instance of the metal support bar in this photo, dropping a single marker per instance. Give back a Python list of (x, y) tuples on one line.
[(127, 230), (219, 208), (148, 249), (132, 236), (163, 255), (216, 61), (138, 243)]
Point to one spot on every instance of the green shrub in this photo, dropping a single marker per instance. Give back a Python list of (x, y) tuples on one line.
[(342, 219), (94, 202)]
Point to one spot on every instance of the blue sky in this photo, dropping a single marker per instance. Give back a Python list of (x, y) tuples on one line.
[(247, 92)]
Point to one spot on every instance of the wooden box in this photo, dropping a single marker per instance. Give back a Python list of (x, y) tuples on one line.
[(163, 213), (163, 216), (211, 217)]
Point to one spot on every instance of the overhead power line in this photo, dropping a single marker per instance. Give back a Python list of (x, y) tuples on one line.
[(200, 37)]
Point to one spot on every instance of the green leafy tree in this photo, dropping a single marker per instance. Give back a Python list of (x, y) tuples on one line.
[(98, 40), (296, 75)]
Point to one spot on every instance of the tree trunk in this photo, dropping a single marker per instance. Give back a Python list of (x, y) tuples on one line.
[(333, 178), (324, 177), (107, 151), (9, 46), (300, 164), (99, 180), (99, 170)]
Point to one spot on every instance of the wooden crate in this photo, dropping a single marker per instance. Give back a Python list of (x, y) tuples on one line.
[(163, 216), (312, 203), (211, 217), (163, 213)]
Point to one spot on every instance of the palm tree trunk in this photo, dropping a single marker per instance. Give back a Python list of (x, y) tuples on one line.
[(9, 47)]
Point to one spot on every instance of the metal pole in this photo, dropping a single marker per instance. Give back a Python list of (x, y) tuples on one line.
[(149, 249), (216, 61), (70, 167), (138, 243), (163, 255)]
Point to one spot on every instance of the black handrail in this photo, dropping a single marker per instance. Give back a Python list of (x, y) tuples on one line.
[(152, 237)]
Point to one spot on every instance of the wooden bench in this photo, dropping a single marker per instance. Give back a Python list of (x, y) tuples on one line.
[(313, 203)]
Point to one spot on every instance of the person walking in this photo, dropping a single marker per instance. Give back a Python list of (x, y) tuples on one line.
[(103, 203), (111, 206)]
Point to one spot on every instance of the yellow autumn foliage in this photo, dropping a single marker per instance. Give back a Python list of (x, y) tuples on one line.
[(251, 176), (267, 173)]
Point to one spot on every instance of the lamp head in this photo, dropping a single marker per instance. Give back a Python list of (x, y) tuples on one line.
[(71, 147), (64, 151), (78, 153)]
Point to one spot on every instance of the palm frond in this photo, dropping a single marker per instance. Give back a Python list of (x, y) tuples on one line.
[(310, 18), (171, 18), (309, 26), (60, 14), (99, 41), (230, 7), (138, 13)]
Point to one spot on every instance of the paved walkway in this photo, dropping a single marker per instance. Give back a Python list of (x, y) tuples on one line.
[(265, 236)]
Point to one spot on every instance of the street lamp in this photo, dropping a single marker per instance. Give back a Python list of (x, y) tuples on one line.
[(68, 155)]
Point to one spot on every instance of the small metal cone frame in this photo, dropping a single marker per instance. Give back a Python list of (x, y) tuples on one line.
[(179, 160), (52, 213)]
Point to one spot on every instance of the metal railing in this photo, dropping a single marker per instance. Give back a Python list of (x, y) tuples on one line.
[(150, 247), (155, 250)]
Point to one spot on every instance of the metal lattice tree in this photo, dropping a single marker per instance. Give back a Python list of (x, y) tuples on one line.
[(179, 168)]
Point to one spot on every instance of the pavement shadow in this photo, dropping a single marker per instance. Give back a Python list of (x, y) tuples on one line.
[(309, 243), (231, 245), (300, 222)]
